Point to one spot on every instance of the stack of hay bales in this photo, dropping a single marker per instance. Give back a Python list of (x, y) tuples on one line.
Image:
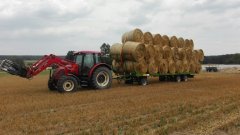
[(152, 53)]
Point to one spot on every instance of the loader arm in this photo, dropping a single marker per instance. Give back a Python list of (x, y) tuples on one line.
[(28, 72)]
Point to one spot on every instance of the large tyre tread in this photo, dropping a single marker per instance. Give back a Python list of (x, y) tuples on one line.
[(94, 77), (61, 82)]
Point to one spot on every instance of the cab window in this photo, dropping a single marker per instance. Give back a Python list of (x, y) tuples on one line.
[(79, 59)]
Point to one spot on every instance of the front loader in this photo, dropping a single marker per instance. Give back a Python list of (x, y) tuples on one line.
[(80, 69)]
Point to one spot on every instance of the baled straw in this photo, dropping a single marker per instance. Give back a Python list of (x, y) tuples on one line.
[(174, 41), (165, 40), (115, 51), (148, 38), (133, 51), (157, 39), (163, 66), (135, 35), (171, 66)]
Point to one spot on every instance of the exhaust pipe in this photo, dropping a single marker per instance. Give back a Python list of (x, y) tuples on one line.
[(13, 68)]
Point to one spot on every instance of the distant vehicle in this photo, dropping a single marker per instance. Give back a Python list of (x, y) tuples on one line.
[(212, 69)]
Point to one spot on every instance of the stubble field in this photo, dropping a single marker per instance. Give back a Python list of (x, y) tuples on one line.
[(207, 104)]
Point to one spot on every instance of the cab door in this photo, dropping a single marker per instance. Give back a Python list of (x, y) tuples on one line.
[(88, 63)]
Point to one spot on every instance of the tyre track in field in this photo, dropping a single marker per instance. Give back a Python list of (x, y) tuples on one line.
[(146, 120), (195, 120)]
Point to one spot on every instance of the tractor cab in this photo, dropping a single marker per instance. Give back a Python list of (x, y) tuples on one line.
[(86, 61)]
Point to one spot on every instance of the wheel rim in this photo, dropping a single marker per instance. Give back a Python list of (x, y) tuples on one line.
[(102, 79), (68, 85)]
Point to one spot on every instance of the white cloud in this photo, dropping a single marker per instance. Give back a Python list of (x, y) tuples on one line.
[(56, 26)]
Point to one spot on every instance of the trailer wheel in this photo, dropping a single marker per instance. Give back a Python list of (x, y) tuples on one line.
[(101, 78), (162, 78), (67, 84), (51, 85), (185, 78), (143, 81), (178, 79)]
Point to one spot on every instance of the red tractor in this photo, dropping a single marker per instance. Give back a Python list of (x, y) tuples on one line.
[(80, 69)]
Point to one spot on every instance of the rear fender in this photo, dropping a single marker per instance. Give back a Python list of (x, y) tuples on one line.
[(97, 66)]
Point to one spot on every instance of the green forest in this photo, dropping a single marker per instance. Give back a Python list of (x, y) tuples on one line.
[(223, 59)]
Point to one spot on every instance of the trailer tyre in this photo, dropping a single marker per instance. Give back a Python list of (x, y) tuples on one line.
[(51, 85), (143, 81), (178, 79), (185, 78), (67, 84), (101, 78)]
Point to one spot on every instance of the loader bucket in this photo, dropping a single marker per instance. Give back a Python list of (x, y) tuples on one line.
[(13, 68)]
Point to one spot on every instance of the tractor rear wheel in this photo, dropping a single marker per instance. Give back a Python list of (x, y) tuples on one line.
[(101, 78), (67, 84), (51, 85)]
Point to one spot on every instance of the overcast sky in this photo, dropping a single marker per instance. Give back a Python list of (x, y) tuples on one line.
[(39, 27)]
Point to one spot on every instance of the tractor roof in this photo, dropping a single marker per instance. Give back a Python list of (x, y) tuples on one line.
[(87, 52)]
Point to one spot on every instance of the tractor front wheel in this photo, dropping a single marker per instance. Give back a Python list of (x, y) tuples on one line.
[(51, 85), (67, 84), (101, 78)]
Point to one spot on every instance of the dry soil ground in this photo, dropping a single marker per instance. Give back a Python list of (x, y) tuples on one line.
[(207, 104)]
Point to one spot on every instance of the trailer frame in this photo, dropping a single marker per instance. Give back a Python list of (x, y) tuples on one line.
[(142, 79)]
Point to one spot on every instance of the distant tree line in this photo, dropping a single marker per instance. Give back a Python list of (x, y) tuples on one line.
[(223, 59), (23, 57)]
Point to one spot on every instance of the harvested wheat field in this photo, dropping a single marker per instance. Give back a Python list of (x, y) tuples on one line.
[(208, 104)]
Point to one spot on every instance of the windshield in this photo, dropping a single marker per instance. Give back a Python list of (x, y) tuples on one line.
[(78, 59)]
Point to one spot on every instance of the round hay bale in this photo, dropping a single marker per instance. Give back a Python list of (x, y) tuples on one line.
[(200, 54), (133, 51), (174, 41), (163, 66), (181, 42), (117, 67), (186, 43), (198, 68), (192, 66), (179, 66), (186, 67), (195, 55), (158, 53), (165, 40), (171, 66), (135, 35), (166, 52), (148, 38), (174, 51), (181, 53), (138, 67), (152, 66), (115, 51), (150, 52), (157, 39), (188, 53), (191, 44)]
